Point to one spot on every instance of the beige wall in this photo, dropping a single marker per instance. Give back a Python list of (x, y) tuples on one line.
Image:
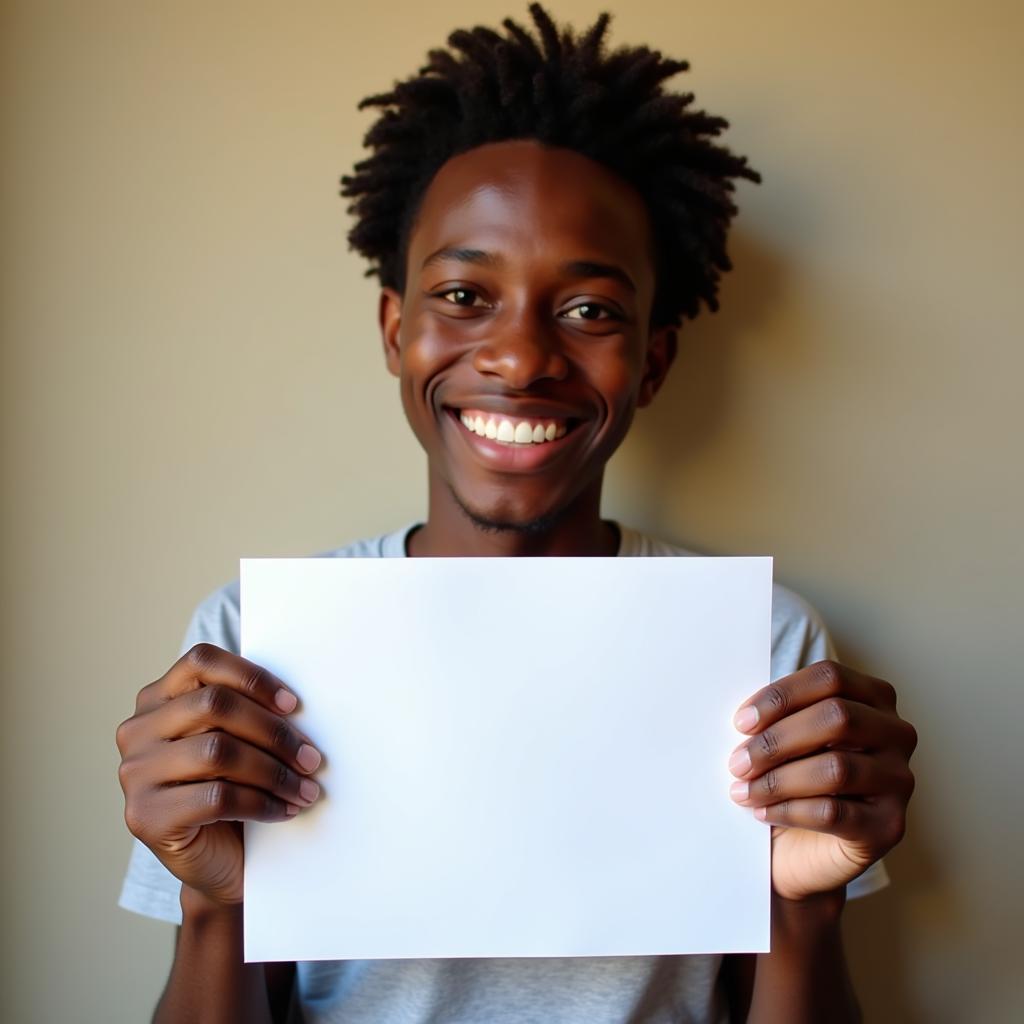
[(191, 373)]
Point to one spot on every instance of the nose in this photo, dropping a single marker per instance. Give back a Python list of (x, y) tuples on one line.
[(521, 350)]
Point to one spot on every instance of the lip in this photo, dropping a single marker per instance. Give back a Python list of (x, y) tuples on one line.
[(515, 458), (522, 409)]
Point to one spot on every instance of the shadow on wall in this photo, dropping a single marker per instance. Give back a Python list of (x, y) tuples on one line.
[(699, 395), (876, 928), (698, 401), (879, 930)]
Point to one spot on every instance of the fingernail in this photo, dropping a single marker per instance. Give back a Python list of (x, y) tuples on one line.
[(291, 810), (308, 790), (739, 790), (739, 763), (286, 701), (308, 758), (746, 718), (761, 813)]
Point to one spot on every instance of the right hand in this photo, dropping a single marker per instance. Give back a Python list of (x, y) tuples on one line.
[(210, 746)]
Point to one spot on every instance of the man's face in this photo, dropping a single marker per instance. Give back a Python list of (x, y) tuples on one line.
[(522, 341)]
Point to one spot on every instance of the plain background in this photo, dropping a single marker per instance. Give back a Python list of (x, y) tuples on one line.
[(191, 373)]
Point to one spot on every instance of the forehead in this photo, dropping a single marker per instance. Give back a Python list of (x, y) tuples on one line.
[(532, 201)]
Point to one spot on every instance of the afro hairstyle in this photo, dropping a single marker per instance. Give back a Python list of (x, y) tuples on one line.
[(564, 90)]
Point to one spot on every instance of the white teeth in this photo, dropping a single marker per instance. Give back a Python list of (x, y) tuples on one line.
[(507, 431), (523, 433)]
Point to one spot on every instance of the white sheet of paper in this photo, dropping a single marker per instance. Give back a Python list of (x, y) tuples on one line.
[(523, 757)]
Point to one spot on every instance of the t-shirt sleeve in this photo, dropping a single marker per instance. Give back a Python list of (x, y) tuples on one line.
[(873, 879), (799, 636), (149, 888)]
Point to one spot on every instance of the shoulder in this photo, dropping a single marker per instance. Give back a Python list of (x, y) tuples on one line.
[(216, 620), (217, 617), (799, 636)]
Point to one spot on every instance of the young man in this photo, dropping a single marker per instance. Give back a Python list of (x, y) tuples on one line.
[(541, 216)]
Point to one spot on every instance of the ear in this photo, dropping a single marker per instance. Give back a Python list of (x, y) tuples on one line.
[(661, 351), (389, 317)]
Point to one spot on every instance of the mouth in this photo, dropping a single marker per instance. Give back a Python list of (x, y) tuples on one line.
[(515, 431), (508, 443)]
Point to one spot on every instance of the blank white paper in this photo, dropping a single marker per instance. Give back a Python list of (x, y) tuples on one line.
[(523, 757)]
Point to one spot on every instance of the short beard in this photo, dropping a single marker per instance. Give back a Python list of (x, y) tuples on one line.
[(534, 528)]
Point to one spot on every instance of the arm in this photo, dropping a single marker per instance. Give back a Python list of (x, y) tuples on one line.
[(804, 977), (210, 746), (208, 979), (827, 767)]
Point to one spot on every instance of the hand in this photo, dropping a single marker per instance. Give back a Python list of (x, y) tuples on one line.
[(209, 746), (828, 767)]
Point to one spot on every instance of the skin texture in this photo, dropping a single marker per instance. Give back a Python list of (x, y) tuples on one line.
[(530, 280)]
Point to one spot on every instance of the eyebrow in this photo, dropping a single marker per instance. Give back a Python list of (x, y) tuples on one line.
[(475, 256), (574, 268), (587, 268)]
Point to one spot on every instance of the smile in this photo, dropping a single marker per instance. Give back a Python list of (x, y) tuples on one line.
[(509, 431)]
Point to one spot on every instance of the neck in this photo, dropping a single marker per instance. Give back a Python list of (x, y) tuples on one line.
[(451, 532)]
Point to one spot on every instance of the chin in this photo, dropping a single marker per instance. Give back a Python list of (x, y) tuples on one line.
[(504, 517)]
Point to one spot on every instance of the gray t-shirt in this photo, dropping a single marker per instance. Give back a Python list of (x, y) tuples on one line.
[(577, 990)]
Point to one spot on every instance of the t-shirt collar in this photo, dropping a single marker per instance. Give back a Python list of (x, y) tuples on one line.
[(393, 545)]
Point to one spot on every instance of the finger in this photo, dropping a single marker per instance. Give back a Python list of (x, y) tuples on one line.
[(847, 819), (828, 724), (205, 665), (202, 803), (834, 773), (809, 686), (878, 825), (168, 817), (221, 709), (218, 755)]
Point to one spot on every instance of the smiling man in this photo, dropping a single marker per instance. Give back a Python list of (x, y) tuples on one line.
[(541, 215)]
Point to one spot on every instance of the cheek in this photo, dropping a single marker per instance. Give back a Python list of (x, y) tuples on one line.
[(424, 354), (428, 355), (617, 376)]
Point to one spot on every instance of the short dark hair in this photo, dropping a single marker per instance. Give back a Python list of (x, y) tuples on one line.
[(562, 90)]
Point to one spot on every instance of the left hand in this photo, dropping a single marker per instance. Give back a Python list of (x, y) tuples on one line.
[(827, 765)]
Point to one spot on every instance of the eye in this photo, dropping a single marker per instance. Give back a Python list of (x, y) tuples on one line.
[(460, 297), (588, 311)]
